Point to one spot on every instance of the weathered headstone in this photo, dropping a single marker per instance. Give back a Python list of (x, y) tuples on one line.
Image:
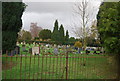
[(55, 50), (24, 48), (35, 50)]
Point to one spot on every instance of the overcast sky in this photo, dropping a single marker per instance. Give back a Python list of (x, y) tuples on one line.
[(45, 14)]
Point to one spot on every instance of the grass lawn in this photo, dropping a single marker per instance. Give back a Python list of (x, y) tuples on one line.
[(54, 67)]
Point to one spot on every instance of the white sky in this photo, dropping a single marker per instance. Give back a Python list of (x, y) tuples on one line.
[(45, 14)]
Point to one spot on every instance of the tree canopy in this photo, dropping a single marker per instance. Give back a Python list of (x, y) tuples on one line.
[(78, 44), (67, 36), (61, 36), (45, 34), (109, 26), (24, 35), (11, 23), (55, 33), (58, 35)]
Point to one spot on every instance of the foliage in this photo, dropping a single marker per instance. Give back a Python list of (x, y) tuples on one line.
[(58, 34), (8, 40), (24, 35), (67, 36), (78, 44), (11, 23), (36, 38), (27, 36), (61, 36), (90, 41), (72, 39), (45, 34), (108, 26), (55, 34)]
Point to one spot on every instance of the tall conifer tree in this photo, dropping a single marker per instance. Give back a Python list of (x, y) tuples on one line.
[(55, 34), (11, 23), (61, 31), (67, 36)]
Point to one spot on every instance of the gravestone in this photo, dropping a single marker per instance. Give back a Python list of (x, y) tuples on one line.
[(11, 53), (21, 42), (55, 50), (24, 48), (17, 43), (24, 43), (33, 43), (59, 46), (17, 50), (35, 50)]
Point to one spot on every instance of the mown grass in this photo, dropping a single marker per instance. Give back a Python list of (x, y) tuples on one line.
[(80, 66), (54, 68)]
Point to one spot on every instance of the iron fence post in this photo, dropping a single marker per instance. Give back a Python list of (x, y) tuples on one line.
[(67, 65)]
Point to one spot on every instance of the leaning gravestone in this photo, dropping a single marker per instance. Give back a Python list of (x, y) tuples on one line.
[(35, 50)]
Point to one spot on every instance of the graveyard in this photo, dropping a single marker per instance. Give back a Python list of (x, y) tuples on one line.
[(60, 40), (48, 50), (44, 64)]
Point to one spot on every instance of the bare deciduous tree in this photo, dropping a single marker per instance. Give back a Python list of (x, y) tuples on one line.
[(94, 32), (85, 13)]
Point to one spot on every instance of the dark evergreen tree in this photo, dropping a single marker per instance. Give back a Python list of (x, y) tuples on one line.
[(55, 34), (109, 29), (72, 39), (11, 23), (61, 36), (67, 36), (45, 34)]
